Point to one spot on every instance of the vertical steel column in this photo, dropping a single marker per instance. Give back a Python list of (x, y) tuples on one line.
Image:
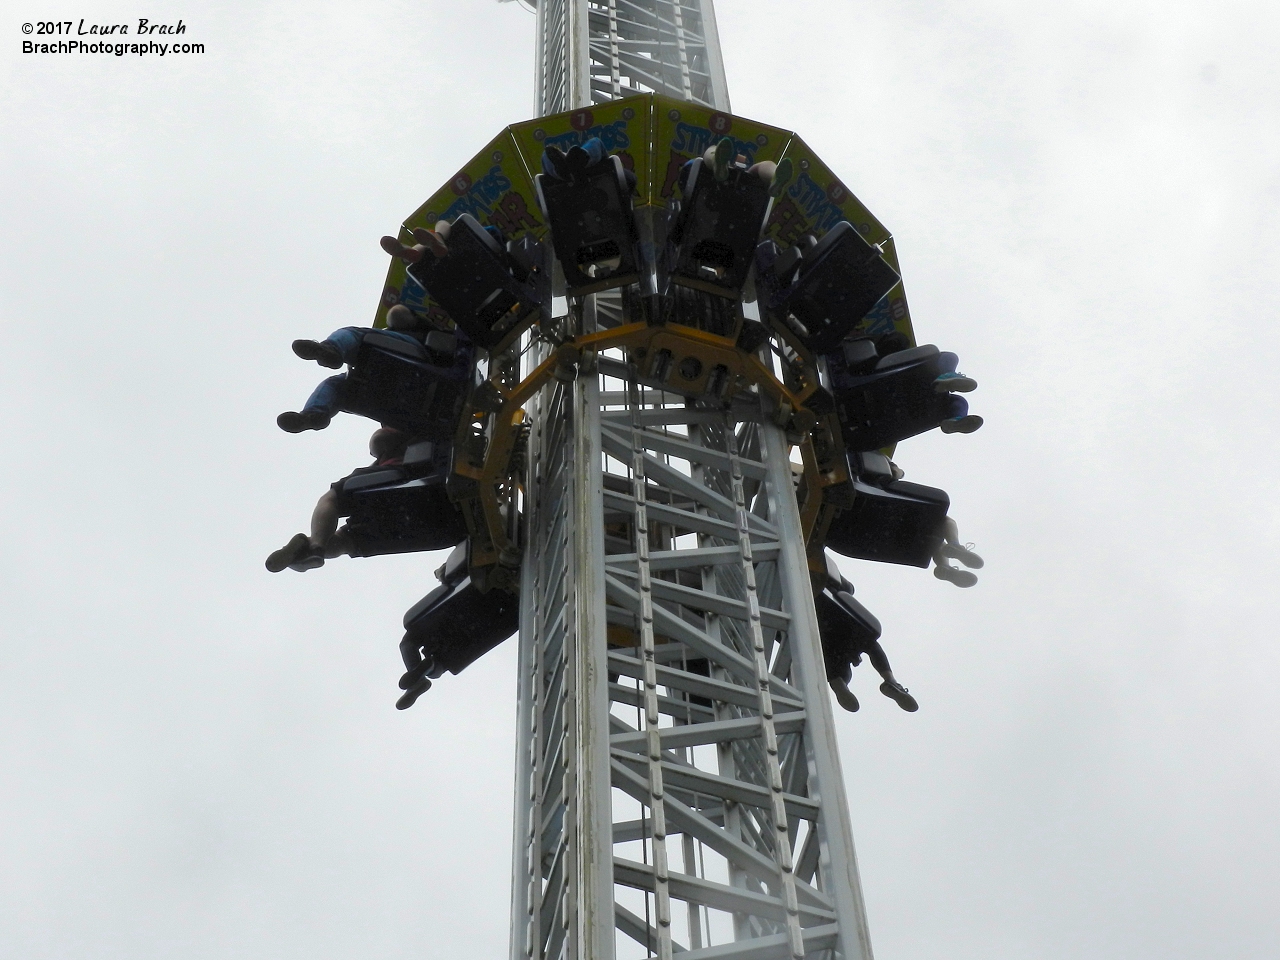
[(678, 787)]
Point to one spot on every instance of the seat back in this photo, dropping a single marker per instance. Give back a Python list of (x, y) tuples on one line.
[(476, 283), (457, 624), (593, 228), (841, 278), (899, 522), (846, 629), (406, 390), (776, 271), (886, 406), (903, 358), (402, 509), (713, 239)]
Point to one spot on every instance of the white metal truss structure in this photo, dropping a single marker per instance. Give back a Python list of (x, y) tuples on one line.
[(591, 51), (678, 784)]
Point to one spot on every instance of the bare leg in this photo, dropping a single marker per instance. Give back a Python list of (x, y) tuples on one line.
[(339, 545), (891, 688), (953, 548), (324, 520)]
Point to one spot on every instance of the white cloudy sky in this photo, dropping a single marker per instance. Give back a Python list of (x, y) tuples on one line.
[(201, 760)]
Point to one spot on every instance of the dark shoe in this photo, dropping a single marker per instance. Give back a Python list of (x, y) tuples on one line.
[(576, 161), (291, 422), (558, 162), (323, 353), (308, 561), (291, 551), (844, 696), (413, 693), (898, 694), (414, 674)]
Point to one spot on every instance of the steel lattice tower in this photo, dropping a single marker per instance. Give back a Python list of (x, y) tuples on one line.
[(680, 793)]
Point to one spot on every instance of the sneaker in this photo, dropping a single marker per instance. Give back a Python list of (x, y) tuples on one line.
[(961, 578), (723, 155), (899, 695), (967, 424), (290, 552), (323, 353), (954, 383), (432, 241), (962, 553), (844, 696), (397, 249), (781, 177), (413, 693), (308, 561), (291, 422), (576, 162), (558, 162), (414, 674)]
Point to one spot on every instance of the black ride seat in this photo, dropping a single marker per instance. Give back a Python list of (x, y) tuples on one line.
[(713, 239), (415, 388), (890, 521), (481, 286), (455, 624), (847, 629), (829, 286), (896, 400), (593, 228), (401, 508)]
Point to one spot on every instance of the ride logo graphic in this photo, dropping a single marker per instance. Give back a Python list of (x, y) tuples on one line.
[(683, 131), (814, 202), (623, 126)]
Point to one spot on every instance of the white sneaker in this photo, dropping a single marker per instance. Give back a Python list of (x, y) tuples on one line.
[(954, 383), (962, 424), (962, 553), (961, 578)]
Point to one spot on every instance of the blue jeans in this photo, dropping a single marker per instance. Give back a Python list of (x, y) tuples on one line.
[(348, 340), (327, 397)]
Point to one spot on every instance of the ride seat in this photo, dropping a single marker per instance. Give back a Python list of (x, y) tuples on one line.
[(593, 228), (840, 279), (409, 387), (714, 235), (894, 401), (846, 629), (479, 284), (403, 508), (890, 521), (455, 624)]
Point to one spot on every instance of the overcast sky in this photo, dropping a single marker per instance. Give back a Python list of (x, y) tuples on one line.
[(199, 759)]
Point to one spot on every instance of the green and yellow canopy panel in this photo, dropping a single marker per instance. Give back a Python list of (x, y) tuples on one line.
[(653, 136)]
